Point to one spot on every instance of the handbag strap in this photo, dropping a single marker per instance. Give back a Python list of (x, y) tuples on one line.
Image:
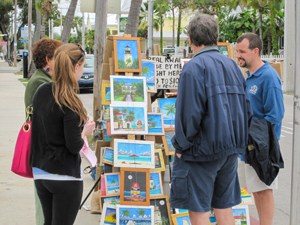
[(29, 112)]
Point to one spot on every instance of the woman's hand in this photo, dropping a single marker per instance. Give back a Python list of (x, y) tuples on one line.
[(88, 128)]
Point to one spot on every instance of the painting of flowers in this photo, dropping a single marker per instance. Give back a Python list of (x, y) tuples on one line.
[(167, 108), (128, 120), (149, 72)]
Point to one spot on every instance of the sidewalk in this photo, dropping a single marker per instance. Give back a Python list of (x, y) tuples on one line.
[(16, 193)]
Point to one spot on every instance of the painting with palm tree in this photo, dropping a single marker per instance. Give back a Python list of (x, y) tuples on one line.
[(155, 124), (112, 183), (133, 215), (167, 108), (128, 90), (149, 72), (127, 54), (128, 120), (109, 215)]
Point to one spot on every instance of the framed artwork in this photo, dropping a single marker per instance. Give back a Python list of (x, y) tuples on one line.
[(128, 120), (181, 219), (184, 61), (105, 92), (161, 209), (108, 156), (130, 215), (225, 48), (112, 183), (106, 112), (167, 108), (112, 200), (149, 72), (128, 90), (181, 210), (169, 148), (127, 54), (241, 215), (108, 215), (134, 153), (155, 124), (158, 161), (134, 184), (155, 185)]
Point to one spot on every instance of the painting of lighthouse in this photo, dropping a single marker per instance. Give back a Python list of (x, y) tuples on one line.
[(127, 54)]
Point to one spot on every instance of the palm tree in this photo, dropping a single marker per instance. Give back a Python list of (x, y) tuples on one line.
[(141, 212), (133, 18), (68, 21), (126, 213)]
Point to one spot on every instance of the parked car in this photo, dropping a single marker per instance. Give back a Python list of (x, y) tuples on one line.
[(86, 81)]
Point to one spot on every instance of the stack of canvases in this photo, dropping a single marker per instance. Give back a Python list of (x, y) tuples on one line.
[(131, 188)]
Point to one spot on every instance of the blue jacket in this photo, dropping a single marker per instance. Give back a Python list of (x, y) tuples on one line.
[(212, 109)]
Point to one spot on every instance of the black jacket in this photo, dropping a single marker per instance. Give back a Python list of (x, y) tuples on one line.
[(263, 152)]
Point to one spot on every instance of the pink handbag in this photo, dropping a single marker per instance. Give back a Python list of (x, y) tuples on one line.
[(20, 163)]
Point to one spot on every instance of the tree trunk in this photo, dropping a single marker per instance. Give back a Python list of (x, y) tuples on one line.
[(179, 28), (260, 27), (68, 21), (133, 18), (100, 38), (161, 34), (173, 28)]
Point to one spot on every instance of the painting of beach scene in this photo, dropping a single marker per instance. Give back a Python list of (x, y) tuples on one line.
[(181, 219), (128, 120), (133, 153), (127, 54), (128, 90), (167, 108), (108, 215), (167, 141), (108, 156), (112, 200), (155, 124), (112, 183), (135, 215), (155, 185), (161, 210), (134, 185), (149, 72)]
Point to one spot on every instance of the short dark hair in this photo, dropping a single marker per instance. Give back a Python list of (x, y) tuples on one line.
[(254, 40), (43, 48), (203, 30)]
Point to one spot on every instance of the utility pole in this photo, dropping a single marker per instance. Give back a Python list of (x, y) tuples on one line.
[(15, 35), (150, 27), (83, 32), (29, 31)]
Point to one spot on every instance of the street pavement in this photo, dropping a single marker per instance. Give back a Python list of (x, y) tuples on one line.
[(16, 193)]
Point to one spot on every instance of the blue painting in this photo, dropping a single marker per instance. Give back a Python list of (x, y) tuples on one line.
[(155, 124), (135, 215), (149, 72), (108, 156), (155, 184), (167, 108), (112, 183), (181, 219)]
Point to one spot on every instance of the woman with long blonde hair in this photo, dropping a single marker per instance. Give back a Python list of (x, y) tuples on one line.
[(60, 126)]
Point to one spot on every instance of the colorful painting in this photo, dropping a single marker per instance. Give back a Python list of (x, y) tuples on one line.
[(149, 72), (134, 153), (112, 200), (161, 210), (167, 108), (128, 120), (155, 124), (167, 141), (155, 185), (131, 215), (106, 112), (241, 215), (105, 92), (181, 219), (112, 183), (127, 54), (128, 90), (158, 161), (108, 215), (108, 156)]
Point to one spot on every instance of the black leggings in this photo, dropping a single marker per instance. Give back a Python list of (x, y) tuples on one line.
[(60, 200)]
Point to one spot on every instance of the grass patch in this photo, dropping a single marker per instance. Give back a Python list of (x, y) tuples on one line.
[(19, 73)]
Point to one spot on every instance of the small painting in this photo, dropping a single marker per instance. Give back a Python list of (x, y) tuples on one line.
[(128, 89), (155, 184), (128, 120), (134, 185), (134, 153), (112, 200), (105, 92), (167, 141), (127, 54), (167, 108), (108, 156), (158, 161), (106, 112), (161, 210), (224, 48), (241, 215), (155, 124), (149, 72), (131, 215), (108, 215), (181, 219), (112, 183)]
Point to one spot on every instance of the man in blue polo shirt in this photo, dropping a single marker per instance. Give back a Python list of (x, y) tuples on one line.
[(265, 93)]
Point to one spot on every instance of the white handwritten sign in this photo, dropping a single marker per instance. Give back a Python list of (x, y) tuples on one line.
[(167, 71)]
